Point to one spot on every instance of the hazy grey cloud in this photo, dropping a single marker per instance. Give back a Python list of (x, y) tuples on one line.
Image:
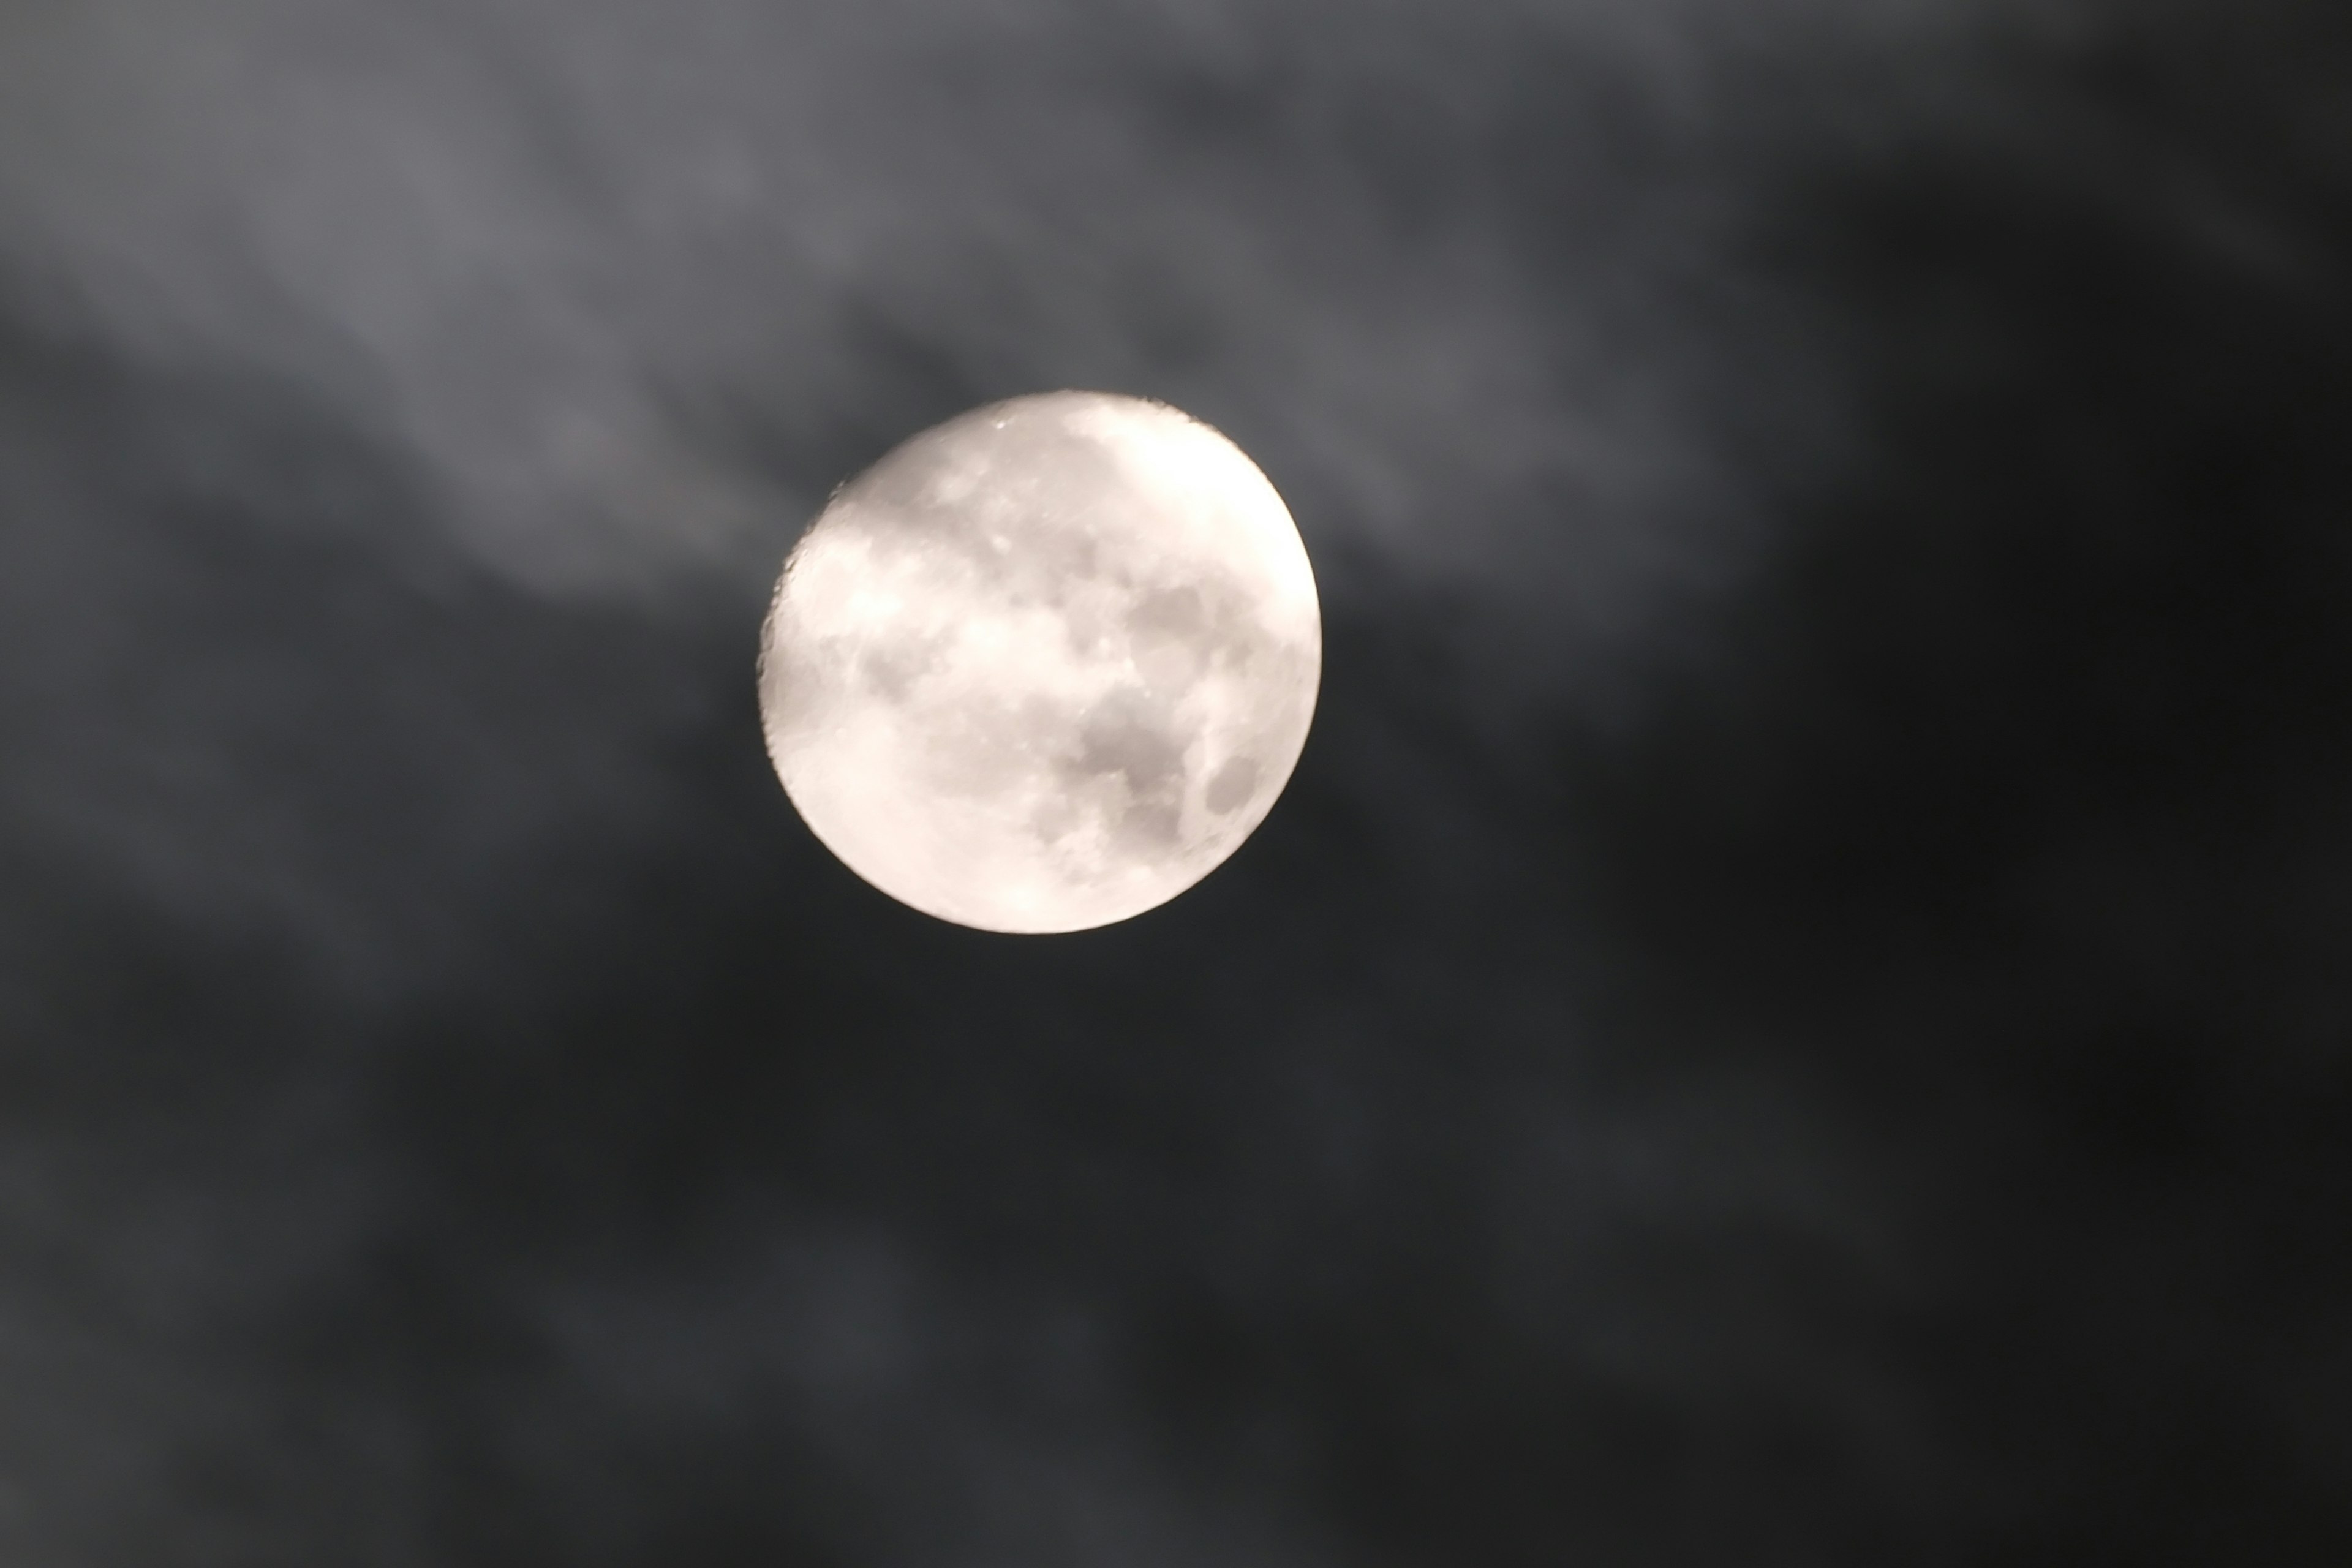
[(610, 276)]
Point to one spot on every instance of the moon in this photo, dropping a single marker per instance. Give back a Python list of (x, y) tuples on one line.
[(1045, 666)]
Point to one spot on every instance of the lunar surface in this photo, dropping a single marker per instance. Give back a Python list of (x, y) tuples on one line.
[(1045, 666)]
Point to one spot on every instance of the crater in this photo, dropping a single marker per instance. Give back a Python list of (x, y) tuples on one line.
[(1233, 785)]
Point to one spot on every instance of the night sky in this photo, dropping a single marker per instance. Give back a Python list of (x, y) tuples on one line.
[(1797, 1010)]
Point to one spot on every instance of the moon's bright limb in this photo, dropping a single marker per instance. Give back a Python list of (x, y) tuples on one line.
[(1045, 666)]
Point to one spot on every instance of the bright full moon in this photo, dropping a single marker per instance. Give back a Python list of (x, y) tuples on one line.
[(1045, 666)]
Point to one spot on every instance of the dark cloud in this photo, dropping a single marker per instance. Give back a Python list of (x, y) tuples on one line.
[(1794, 1010)]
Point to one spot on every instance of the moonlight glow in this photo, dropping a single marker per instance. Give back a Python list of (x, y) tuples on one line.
[(1045, 666)]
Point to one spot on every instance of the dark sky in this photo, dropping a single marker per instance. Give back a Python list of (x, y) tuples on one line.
[(1796, 1010)]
